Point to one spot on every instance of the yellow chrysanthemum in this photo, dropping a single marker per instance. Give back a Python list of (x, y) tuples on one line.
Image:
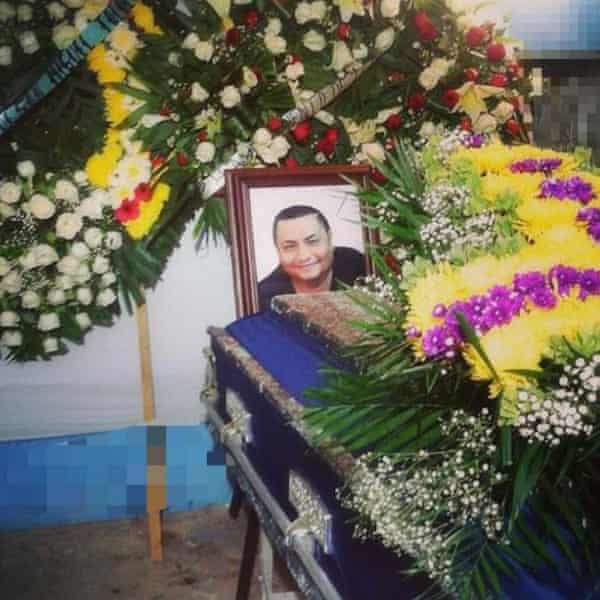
[(523, 186), (109, 74), (116, 109), (97, 57), (143, 17), (124, 40), (99, 167), (489, 159), (149, 212)]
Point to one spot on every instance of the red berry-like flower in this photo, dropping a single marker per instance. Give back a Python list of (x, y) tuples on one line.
[(450, 98), (202, 135), (233, 37), (332, 134), (499, 80), (393, 122), (476, 36), (291, 163), (426, 29), (250, 19), (157, 161), (471, 74), (274, 124), (466, 124), (515, 70), (416, 101), (496, 52), (377, 176), (343, 31), (142, 192), (182, 159), (325, 146), (513, 127), (301, 132), (128, 211)]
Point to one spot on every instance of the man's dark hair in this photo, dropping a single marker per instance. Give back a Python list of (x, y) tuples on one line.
[(297, 211)]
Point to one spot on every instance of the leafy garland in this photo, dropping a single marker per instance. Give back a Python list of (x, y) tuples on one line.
[(475, 401)]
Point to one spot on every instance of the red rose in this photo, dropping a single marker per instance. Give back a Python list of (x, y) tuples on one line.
[(274, 124), (377, 176), (250, 19), (476, 36), (513, 127), (516, 101), (471, 74), (295, 59), (496, 52), (291, 163), (499, 80), (343, 31), (416, 101), (332, 134), (202, 135), (128, 211), (426, 29), (157, 161), (233, 36), (393, 122), (515, 70), (465, 124), (182, 159), (142, 192), (325, 146), (301, 132), (450, 98)]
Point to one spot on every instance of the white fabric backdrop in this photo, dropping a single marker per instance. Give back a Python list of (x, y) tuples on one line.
[(96, 386)]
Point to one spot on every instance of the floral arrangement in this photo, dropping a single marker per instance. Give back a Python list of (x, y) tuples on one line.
[(475, 399), (57, 276)]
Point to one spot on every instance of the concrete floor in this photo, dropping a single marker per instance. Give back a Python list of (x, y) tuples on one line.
[(110, 560)]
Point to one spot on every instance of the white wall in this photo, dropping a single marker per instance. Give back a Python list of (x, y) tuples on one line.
[(97, 386)]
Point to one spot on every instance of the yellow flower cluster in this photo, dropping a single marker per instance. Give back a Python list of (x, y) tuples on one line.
[(106, 70), (100, 165), (149, 212), (143, 17)]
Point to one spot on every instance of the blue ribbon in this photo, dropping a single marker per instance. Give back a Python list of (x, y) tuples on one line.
[(67, 59)]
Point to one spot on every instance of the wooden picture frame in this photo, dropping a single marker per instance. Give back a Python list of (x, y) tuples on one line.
[(255, 196)]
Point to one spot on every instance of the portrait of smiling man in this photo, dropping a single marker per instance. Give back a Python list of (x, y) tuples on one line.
[(308, 260)]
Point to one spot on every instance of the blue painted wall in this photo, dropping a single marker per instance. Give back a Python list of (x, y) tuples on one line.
[(103, 476)]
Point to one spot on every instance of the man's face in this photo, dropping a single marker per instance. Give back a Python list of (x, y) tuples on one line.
[(304, 248)]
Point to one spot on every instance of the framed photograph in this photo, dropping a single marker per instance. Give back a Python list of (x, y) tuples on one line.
[(295, 231)]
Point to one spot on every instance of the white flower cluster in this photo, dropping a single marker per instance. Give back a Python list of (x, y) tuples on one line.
[(376, 287), (55, 260), (568, 411), (414, 505)]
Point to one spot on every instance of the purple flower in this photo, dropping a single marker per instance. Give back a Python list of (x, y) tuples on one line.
[(573, 188), (588, 214), (565, 277), (527, 282), (440, 339), (439, 310), (413, 332), (498, 292), (547, 165), (589, 283), (532, 165), (593, 229), (543, 297), (499, 313), (475, 140)]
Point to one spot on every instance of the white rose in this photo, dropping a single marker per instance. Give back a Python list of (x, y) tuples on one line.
[(385, 39), (114, 240), (24, 13), (427, 129), (11, 282), (503, 111), (373, 151), (80, 177), (83, 274), (56, 296), (100, 265), (341, 57), (485, 123), (41, 207), (190, 41), (325, 117), (81, 20), (205, 152), (68, 225), (11, 339), (68, 265), (27, 261), (84, 296), (101, 196), (26, 168), (30, 299), (428, 78), (50, 344), (262, 137), (230, 96), (389, 8), (29, 42), (45, 255), (7, 211), (74, 3), (266, 154), (314, 41), (8, 318), (6, 56), (441, 66), (360, 52), (106, 297), (10, 192), (93, 237), (273, 26), (153, 119), (319, 10), (7, 11), (280, 147), (275, 44), (65, 190), (64, 282), (249, 79), (56, 10), (303, 13), (204, 51), (294, 71), (108, 279), (198, 93), (83, 320), (4, 266), (79, 250), (91, 208)]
